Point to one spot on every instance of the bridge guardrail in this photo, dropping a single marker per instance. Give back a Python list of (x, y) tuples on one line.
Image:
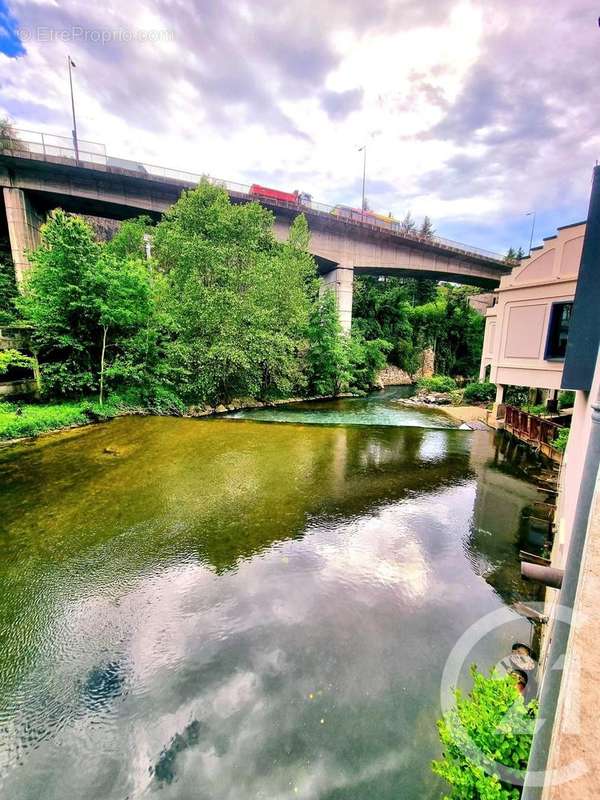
[(51, 145)]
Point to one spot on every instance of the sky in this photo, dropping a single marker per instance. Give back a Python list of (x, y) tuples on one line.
[(474, 112)]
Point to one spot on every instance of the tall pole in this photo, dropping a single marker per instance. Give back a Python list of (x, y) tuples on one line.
[(75, 142), (364, 180), (531, 214)]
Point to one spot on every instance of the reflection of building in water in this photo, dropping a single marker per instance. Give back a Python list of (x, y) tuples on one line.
[(498, 523)]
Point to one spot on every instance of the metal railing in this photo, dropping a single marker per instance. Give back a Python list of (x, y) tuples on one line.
[(534, 429), (50, 146)]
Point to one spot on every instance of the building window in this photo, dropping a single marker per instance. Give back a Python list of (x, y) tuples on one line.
[(558, 330)]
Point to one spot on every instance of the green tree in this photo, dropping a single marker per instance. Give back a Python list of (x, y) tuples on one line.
[(239, 300), (118, 302), (426, 230), (8, 284), (328, 354), (80, 298), (365, 358)]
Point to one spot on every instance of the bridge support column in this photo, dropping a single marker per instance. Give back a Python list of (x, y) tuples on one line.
[(23, 228), (341, 280), (498, 407)]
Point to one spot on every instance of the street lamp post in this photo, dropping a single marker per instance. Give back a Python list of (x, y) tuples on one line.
[(74, 132), (363, 149), (531, 214)]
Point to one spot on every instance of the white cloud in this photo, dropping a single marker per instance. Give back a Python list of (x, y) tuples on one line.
[(285, 96)]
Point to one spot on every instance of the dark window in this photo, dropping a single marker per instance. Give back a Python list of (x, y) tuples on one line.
[(558, 330)]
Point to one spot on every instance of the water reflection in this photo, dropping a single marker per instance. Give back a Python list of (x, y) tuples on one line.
[(232, 609)]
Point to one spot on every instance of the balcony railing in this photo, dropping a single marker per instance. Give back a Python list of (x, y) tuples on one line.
[(534, 430)]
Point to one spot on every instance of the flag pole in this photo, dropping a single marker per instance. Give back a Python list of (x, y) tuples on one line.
[(74, 132)]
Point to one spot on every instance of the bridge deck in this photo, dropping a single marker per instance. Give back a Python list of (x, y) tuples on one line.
[(28, 148)]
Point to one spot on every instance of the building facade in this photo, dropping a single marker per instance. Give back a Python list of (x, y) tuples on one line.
[(527, 327)]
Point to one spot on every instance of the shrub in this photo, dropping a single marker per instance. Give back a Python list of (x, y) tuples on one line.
[(516, 396), (457, 397), (437, 383), (491, 726), (479, 392), (561, 439), (9, 359), (538, 410), (566, 399)]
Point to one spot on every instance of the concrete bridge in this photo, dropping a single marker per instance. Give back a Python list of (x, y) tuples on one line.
[(39, 172)]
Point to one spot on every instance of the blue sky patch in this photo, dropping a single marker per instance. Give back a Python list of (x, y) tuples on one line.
[(10, 43)]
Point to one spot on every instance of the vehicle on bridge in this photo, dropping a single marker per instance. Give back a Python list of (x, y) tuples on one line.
[(125, 163), (360, 215), (266, 193), (273, 194)]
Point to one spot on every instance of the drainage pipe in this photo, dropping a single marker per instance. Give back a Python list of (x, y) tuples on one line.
[(549, 576)]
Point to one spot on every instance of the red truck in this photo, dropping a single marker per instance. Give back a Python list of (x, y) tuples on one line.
[(273, 194)]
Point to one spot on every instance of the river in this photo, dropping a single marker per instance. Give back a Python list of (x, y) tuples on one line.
[(225, 609)]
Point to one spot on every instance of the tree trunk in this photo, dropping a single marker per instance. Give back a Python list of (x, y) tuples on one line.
[(105, 331), (37, 373)]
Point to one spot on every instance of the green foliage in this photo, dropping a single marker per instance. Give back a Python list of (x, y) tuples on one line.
[(514, 255), (10, 359), (437, 383), (328, 357), (538, 410), (416, 314), (8, 284), (85, 300), (366, 359), (238, 301), (566, 399), (220, 310), (491, 726), (426, 230), (517, 396), (479, 392), (128, 242), (452, 328), (17, 420), (561, 439)]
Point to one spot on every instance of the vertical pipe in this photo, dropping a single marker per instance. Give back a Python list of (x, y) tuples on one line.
[(550, 690)]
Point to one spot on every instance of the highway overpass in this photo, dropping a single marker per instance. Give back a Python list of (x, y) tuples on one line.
[(39, 172)]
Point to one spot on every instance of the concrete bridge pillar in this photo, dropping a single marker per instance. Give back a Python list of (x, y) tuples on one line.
[(23, 228), (341, 280)]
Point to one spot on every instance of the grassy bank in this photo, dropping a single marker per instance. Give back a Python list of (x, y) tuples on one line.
[(31, 419), (21, 420)]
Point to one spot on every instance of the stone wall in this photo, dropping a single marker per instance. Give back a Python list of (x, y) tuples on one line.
[(427, 364), (394, 376)]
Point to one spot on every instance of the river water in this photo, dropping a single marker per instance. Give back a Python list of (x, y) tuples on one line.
[(225, 609)]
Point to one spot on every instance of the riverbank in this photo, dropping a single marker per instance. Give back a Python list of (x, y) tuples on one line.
[(472, 415), (26, 421), (468, 414)]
